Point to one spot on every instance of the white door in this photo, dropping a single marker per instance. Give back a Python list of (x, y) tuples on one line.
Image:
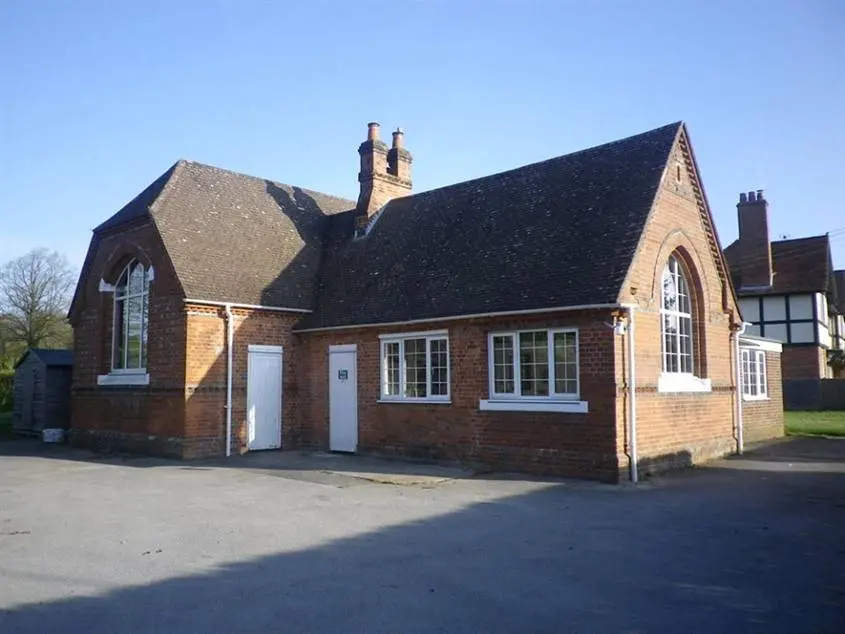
[(264, 397), (343, 398)]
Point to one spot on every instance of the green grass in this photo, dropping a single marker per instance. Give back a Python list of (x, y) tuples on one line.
[(815, 423), (5, 424)]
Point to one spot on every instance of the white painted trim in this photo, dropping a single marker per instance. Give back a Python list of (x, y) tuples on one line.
[(344, 347), (208, 302), (680, 382), (563, 407), (756, 344), (505, 313), (755, 398), (105, 287), (253, 347), (124, 378), (415, 401), (411, 335)]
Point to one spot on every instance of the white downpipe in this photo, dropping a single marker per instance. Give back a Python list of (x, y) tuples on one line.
[(632, 400), (230, 336), (740, 443)]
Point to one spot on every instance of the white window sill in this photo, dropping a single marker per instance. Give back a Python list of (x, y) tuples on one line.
[(670, 382), (755, 398), (128, 378), (501, 405), (415, 401)]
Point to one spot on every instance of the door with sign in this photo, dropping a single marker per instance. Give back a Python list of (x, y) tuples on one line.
[(343, 398)]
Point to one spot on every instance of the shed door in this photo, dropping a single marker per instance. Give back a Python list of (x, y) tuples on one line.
[(343, 398), (264, 397)]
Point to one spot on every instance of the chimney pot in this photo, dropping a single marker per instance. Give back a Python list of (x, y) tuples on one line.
[(759, 194), (752, 197), (399, 138), (743, 198), (372, 131)]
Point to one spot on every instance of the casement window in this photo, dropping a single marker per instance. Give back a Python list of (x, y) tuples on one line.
[(415, 367), (130, 326), (754, 374), (534, 365)]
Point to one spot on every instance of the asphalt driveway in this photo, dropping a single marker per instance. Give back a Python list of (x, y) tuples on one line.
[(293, 543)]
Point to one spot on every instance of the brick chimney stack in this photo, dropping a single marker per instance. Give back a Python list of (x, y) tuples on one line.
[(384, 174), (756, 250)]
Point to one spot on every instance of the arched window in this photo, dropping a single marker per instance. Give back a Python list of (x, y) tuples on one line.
[(676, 319), (131, 318)]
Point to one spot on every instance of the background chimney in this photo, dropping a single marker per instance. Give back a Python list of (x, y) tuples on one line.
[(384, 174), (755, 260)]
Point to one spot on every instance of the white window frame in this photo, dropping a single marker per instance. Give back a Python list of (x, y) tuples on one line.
[(759, 378), (515, 401), (401, 338), (126, 376)]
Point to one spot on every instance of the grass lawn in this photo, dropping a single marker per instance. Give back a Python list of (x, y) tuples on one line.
[(5, 423), (815, 423)]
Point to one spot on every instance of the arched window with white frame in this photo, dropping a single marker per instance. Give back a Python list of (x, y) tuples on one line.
[(131, 319), (676, 313)]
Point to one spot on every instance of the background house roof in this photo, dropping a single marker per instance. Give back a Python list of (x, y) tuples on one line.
[(802, 265), (558, 233), (50, 356)]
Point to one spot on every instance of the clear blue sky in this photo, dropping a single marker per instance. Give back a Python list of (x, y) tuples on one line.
[(99, 98)]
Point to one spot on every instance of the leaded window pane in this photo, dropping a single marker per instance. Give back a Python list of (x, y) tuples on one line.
[(566, 363), (534, 363), (503, 370), (415, 370)]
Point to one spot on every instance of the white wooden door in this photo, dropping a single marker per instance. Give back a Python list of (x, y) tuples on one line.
[(343, 398), (264, 397)]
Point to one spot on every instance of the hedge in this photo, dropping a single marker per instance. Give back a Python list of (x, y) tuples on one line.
[(7, 389)]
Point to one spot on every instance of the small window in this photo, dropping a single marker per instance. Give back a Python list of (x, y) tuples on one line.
[(754, 374), (415, 367), (534, 364)]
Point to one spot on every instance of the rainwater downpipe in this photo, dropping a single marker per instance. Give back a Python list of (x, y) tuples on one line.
[(230, 336), (632, 399), (740, 445)]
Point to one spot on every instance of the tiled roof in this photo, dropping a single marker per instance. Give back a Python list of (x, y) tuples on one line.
[(559, 233), (802, 265), (236, 238), (839, 285)]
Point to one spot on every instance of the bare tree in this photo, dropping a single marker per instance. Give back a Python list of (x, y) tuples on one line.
[(35, 292)]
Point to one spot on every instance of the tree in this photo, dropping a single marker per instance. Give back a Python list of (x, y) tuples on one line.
[(35, 292)]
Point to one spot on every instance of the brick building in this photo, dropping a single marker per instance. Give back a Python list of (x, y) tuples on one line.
[(501, 321), (789, 291)]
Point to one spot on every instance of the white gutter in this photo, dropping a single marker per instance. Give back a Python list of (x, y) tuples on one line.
[(632, 398), (208, 302), (428, 320), (740, 444), (230, 337)]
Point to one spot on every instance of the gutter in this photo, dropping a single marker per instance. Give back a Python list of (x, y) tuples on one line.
[(208, 302), (230, 336), (428, 320)]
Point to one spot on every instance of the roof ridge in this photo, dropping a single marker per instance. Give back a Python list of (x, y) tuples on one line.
[(816, 237), (594, 148), (262, 179)]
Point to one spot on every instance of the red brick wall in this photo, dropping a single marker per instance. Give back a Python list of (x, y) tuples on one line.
[(205, 426), (149, 417), (803, 362), (567, 444), (679, 428), (762, 420)]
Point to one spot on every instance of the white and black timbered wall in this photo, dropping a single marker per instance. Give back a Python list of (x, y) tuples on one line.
[(794, 319)]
